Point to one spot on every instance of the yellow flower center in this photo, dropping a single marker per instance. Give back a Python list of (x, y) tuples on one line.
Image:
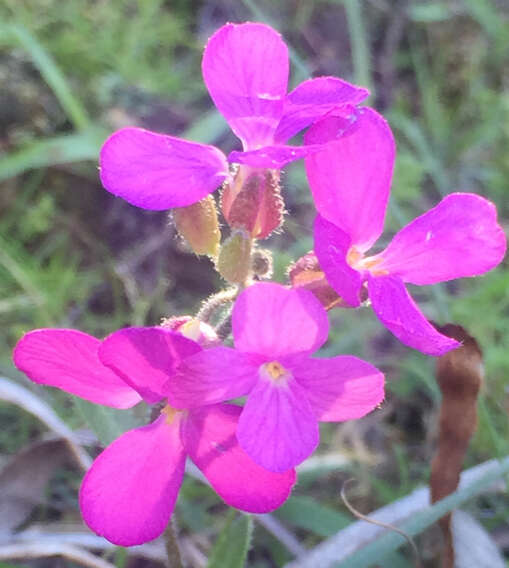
[(275, 373), (275, 370), (356, 260), (171, 413)]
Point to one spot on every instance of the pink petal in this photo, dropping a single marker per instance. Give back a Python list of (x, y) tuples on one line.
[(340, 388), (274, 321), (313, 99), (331, 248), (67, 359), (245, 68), (146, 358), (351, 177), (459, 237), (210, 440), (277, 427), (154, 171), (397, 311), (211, 376), (129, 493), (272, 157)]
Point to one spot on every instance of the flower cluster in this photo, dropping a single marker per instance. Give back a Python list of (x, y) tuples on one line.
[(248, 449)]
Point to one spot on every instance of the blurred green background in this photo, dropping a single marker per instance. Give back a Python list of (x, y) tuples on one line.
[(71, 255)]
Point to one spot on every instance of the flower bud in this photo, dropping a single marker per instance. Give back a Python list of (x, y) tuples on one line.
[(306, 273), (234, 261), (198, 225), (194, 329), (252, 201)]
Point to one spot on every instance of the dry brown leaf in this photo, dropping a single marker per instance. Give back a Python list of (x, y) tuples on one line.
[(24, 478), (459, 375)]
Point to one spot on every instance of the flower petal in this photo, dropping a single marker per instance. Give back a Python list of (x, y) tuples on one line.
[(331, 248), (245, 68), (129, 493), (277, 427), (340, 388), (146, 358), (273, 157), (397, 311), (157, 172), (67, 359), (273, 321), (459, 237), (211, 376), (351, 177), (210, 440), (313, 99)]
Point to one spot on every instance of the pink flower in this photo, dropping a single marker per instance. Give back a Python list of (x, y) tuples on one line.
[(129, 493), (350, 180), (275, 331), (245, 68)]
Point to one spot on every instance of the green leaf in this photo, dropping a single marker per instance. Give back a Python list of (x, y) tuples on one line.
[(64, 149), (50, 71), (107, 423), (306, 513), (388, 541), (231, 548)]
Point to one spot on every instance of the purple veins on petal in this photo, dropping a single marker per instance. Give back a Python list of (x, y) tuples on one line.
[(209, 436), (275, 331)]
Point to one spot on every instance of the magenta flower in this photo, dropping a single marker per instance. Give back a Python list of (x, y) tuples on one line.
[(275, 331), (129, 493), (245, 68), (350, 180)]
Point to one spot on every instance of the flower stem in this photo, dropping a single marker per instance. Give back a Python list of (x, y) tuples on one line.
[(215, 302), (172, 548)]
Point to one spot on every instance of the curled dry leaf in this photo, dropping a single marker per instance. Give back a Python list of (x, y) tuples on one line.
[(459, 375)]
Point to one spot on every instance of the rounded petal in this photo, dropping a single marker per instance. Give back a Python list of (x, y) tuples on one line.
[(340, 388), (273, 321), (459, 237), (277, 427), (68, 359), (157, 172), (245, 68), (129, 493), (312, 100), (272, 157), (331, 248), (211, 376), (350, 178), (146, 358), (210, 440), (397, 311)]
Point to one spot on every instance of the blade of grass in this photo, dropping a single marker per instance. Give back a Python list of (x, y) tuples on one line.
[(64, 149), (50, 72), (359, 45)]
